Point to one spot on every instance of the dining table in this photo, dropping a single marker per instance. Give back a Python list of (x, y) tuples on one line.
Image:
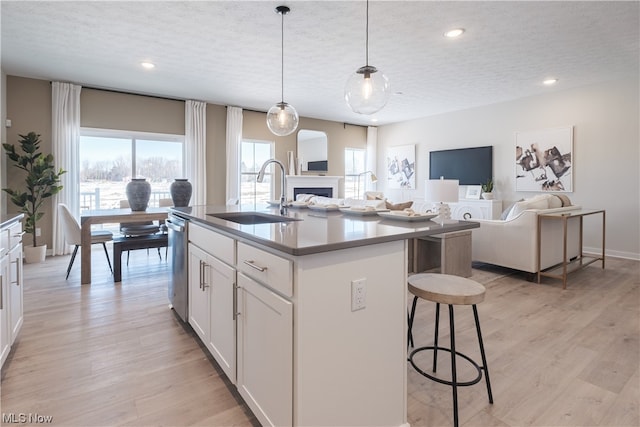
[(109, 216)]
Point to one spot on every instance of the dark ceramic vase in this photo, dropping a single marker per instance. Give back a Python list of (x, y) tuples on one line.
[(138, 194), (180, 192)]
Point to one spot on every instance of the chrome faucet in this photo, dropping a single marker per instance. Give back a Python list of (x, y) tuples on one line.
[(283, 189)]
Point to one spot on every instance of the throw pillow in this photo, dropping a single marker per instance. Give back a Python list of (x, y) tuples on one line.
[(398, 206), (533, 203), (505, 213), (565, 200), (555, 202)]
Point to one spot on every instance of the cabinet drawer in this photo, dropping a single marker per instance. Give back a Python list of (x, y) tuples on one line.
[(265, 267), (15, 235), (222, 247)]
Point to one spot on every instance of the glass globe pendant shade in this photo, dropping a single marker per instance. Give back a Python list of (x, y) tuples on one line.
[(282, 119), (367, 90)]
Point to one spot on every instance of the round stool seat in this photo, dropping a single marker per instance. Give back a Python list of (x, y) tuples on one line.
[(446, 289)]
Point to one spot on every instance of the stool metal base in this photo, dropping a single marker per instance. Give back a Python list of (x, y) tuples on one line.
[(452, 351), (476, 380)]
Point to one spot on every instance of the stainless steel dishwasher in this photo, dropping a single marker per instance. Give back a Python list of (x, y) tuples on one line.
[(178, 282)]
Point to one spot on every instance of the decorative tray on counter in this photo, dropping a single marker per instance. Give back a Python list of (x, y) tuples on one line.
[(362, 212), (326, 208), (298, 205), (403, 216)]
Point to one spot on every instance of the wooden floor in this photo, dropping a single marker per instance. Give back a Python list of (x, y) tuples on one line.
[(111, 355)]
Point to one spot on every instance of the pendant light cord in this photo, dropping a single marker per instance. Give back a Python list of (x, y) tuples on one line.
[(282, 58), (367, 38)]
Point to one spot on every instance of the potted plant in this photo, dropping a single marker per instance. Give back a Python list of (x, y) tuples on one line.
[(42, 182), (487, 190)]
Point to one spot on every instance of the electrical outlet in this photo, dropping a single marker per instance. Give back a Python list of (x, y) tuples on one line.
[(38, 231), (358, 294)]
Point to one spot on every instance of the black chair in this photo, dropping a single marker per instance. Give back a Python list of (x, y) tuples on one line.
[(137, 229)]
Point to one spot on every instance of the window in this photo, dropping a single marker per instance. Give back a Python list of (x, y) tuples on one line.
[(110, 158), (354, 163), (252, 155)]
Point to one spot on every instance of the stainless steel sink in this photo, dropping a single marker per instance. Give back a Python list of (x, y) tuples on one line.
[(252, 217)]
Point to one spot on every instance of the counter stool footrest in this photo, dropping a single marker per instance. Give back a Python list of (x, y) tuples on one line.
[(476, 380)]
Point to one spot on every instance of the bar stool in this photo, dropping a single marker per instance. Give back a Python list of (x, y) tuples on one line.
[(450, 290)]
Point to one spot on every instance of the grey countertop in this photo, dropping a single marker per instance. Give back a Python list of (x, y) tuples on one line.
[(8, 219), (318, 231)]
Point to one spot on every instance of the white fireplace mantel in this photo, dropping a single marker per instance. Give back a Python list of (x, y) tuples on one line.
[(315, 181)]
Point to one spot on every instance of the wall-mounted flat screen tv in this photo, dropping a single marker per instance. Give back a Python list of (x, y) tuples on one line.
[(470, 166)]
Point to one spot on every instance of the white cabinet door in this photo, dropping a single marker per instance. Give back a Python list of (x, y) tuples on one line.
[(15, 292), (5, 334), (222, 341), (198, 293), (265, 352)]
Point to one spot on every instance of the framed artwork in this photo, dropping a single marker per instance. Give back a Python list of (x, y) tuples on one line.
[(473, 192), (544, 160), (401, 167)]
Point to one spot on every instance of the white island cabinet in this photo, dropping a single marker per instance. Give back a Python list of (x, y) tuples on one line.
[(305, 355), (212, 295), (11, 285)]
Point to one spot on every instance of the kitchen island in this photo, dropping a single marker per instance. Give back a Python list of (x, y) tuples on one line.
[(306, 317)]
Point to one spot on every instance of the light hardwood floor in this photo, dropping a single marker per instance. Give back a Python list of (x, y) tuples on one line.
[(111, 355)]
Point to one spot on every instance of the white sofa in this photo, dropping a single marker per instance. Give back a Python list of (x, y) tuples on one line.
[(513, 242)]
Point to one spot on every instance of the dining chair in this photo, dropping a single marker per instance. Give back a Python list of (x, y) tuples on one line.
[(72, 236), (165, 203), (136, 229)]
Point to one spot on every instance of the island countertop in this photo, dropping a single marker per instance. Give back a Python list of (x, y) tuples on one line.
[(315, 231)]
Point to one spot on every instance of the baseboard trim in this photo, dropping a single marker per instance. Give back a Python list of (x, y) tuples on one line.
[(611, 253)]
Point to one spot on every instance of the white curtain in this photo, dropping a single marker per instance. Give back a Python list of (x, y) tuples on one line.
[(65, 131), (234, 142), (371, 156), (196, 143)]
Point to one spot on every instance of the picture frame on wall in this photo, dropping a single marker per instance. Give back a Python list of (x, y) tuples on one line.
[(544, 160), (473, 192), (401, 167)]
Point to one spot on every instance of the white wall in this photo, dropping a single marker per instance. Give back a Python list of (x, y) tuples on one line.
[(606, 153)]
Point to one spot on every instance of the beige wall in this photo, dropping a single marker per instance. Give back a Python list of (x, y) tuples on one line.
[(113, 110), (29, 106), (606, 150), (339, 137)]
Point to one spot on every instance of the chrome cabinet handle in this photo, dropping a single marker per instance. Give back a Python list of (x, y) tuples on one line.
[(1, 292), (236, 313), (200, 275), (204, 281), (255, 267), (17, 270)]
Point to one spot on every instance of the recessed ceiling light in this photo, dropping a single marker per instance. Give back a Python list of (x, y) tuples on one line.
[(454, 33), (550, 82), (374, 120), (148, 65)]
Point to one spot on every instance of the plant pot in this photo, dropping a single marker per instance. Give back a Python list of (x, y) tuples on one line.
[(487, 196), (180, 192), (138, 194), (35, 255)]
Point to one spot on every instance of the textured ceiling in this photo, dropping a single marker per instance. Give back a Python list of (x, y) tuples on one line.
[(228, 52)]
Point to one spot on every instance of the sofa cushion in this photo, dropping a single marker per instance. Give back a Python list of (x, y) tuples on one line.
[(536, 202), (505, 213), (555, 202)]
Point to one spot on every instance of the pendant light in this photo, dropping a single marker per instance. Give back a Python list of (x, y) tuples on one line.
[(282, 118), (367, 90)]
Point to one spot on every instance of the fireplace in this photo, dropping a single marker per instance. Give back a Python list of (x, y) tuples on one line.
[(328, 186), (318, 191)]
